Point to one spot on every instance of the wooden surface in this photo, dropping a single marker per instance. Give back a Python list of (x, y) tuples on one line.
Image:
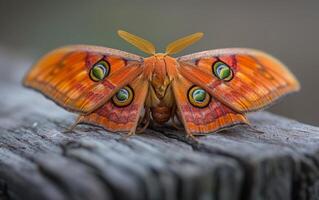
[(38, 161)]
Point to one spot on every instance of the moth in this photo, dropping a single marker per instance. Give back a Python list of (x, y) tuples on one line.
[(122, 92)]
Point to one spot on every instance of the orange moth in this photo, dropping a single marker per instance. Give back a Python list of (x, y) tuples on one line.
[(122, 92)]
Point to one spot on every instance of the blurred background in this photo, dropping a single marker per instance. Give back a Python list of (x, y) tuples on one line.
[(289, 30)]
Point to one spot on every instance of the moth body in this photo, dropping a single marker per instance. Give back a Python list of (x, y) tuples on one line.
[(159, 71)]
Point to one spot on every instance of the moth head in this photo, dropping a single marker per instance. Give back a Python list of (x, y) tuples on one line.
[(172, 48)]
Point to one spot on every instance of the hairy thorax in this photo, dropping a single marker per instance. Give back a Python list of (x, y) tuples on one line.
[(160, 98)]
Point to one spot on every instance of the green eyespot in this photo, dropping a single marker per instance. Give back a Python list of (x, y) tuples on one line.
[(100, 70), (222, 71), (123, 97), (198, 97)]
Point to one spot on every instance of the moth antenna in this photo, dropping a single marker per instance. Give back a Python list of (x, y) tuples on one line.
[(140, 43), (182, 43)]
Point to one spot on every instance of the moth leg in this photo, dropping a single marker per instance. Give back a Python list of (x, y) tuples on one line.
[(254, 129), (72, 127), (144, 127), (191, 136), (134, 131), (143, 119), (174, 124), (146, 120), (131, 133)]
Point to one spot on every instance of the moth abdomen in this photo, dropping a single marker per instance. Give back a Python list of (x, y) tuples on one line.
[(161, 114)]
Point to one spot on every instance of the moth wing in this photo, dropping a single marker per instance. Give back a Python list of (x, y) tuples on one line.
[(258, 79), (64, 76), (120, 118), (201, 120)]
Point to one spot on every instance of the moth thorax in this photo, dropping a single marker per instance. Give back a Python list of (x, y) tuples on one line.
[(160, 85)]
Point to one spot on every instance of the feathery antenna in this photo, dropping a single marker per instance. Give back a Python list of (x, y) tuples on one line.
[(180, 44), (138, 42)]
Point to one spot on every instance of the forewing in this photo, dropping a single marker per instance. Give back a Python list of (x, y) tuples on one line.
[(211, 118), (64, 76), (120, 118), (257, 80)]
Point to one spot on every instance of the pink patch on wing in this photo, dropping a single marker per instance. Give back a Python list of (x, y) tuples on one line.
[(202, 116), (120, 115)]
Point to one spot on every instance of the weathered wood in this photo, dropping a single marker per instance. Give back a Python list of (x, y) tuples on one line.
[(38, 161)]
